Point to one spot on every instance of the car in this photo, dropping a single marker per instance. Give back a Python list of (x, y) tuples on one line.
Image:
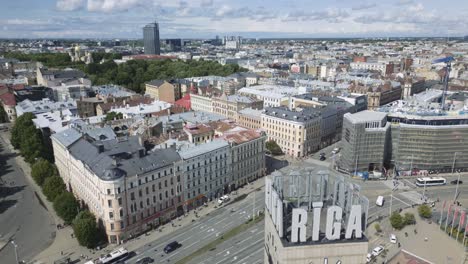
[(171, 247), (226, 198), (322, 158), (377, 250), (456, 182), (380, 201), (369, 258), (220, 200), (393, 239), (335, 150), (145, 260), (322, 154)]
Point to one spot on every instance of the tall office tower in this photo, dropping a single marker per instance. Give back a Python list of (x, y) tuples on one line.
[(151, 39)]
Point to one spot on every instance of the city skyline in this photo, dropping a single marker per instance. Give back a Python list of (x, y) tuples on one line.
[(207, 18)]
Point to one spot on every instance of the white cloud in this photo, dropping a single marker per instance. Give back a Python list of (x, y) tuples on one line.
[(69, 5), (416, 8), (405, 2), (112, 5)]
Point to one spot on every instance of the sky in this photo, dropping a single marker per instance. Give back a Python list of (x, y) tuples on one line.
[(105, 19)]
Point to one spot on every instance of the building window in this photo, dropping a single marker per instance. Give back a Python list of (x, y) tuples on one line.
[(112, 226), (111, 215), (109, 203), (120, 200), (108, 191)]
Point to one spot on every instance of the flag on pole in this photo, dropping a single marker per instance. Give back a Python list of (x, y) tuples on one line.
[(448, 215), (442, 213), (462, 220), (453, 220)]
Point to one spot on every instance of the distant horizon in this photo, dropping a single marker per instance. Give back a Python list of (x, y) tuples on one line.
[(195, 19)]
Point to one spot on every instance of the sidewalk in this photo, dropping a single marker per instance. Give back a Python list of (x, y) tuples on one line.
[(64, 245)]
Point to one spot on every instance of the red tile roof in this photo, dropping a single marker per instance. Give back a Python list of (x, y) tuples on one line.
[(8, 99), (184, 102)]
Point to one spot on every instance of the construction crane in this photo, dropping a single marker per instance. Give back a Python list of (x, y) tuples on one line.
[(448, 66)]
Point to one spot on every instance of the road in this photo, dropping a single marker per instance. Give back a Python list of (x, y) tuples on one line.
[(203, 231), (22, 216), (247, 247)]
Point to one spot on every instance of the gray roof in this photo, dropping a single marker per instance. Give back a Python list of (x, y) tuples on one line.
[(203, 148), (366, 116), (307, 113), (156, 82), (101, 133), (67, 137), (125, 153)]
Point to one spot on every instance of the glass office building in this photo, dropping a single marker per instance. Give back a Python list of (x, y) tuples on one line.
[(151, 39)]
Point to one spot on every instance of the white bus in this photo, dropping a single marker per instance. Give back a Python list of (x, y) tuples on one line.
[(430, 181), (116, 255)]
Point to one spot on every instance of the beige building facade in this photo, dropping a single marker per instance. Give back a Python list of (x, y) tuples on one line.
[(163, 91), (230, 105), (201, 103), (249, 118), (296, 132)]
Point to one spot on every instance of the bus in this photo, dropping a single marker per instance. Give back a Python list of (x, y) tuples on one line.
[(430, 181), (115, 256)]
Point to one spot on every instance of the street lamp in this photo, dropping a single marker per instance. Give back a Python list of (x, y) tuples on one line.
[(16, 250), (456, 189)]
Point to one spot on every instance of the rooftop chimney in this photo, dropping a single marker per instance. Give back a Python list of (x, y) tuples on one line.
[(141, 152), (100, 148)]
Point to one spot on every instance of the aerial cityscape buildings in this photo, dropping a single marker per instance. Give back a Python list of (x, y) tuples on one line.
[(243, 138)]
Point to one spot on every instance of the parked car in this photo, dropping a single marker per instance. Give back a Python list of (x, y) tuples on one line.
[(377, 250), (322, 158), (369, 258), (145, 260), (380, 201), (393, 239), (171, 247), (456, 181), (322, 154)]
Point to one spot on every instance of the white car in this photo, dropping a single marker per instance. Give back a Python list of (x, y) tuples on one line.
[(335, 150), (393, 239), (225, 198), (220, 200), (369, 258), (377, 250)]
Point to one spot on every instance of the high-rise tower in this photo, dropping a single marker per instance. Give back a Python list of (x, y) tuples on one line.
[(151, 39)]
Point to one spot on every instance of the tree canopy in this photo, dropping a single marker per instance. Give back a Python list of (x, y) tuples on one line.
[(396, 220), (29, 140), (48, 59), (41, 170), (425, 211), (53, 186), (113, 115), (66, 206), (85, 229), (273, 147)]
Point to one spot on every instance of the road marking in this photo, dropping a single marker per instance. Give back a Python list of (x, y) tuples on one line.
[(255, 252), (410, 183), (394, 197)]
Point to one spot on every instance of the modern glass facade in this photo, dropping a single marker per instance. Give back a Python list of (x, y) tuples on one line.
[(363, 144), (429, 147), (151, 39)]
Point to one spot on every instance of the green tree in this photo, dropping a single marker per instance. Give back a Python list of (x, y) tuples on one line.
[(53, 186), (396, 221), (3, 115), (41, 170), (113, 115), (273, 147), (66, 206), (32, 146), (409, 219), (85, 229), (21, 124), (425, 211)]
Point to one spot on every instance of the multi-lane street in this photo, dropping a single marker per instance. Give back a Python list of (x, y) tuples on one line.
[(23, 218), (202, 231)]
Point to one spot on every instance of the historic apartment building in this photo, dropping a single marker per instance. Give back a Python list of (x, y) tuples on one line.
[(163, 90), (126, 187), (296, 132), (201, 103), (250, 118), (131, 189), (230, 105)]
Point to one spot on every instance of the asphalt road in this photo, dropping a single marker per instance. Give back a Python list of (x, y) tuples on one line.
[(22, 217), (202, 231)]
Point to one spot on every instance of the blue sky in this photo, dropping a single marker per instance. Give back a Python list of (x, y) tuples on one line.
[(248, 18)]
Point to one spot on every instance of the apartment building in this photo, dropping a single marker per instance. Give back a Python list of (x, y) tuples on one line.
[(201, 103), (230, 105), (247, 155), (167, 91), (206, 172), (296, 132), (249, 118), (129, 189)]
